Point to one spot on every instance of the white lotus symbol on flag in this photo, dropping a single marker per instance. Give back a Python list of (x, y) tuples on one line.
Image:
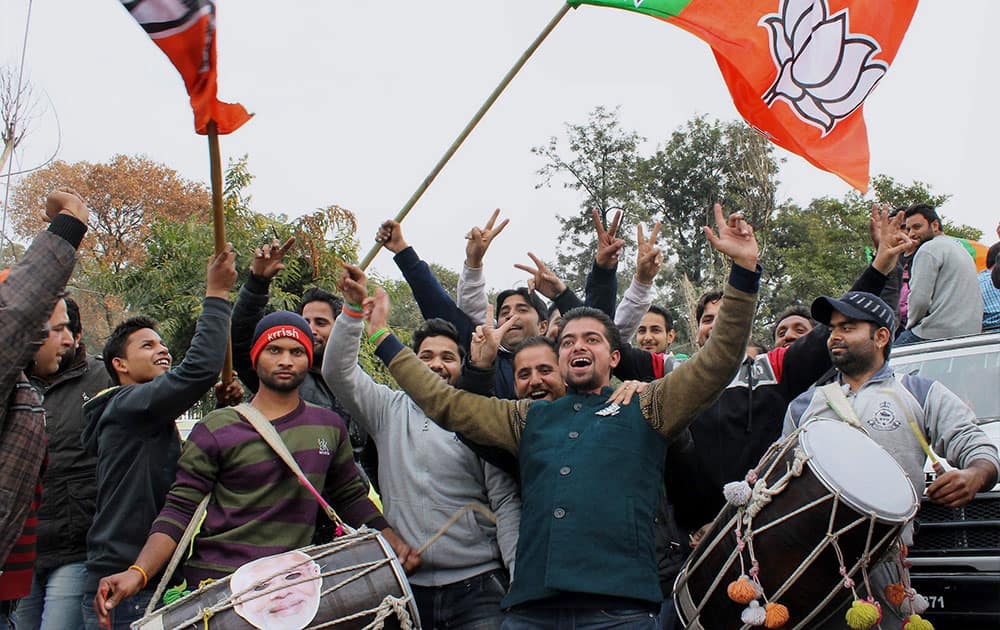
[(824, 71)]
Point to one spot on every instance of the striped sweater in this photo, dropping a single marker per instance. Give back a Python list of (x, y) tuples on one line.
[(258, 508)]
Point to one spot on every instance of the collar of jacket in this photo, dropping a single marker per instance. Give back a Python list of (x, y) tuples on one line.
[(883, 374)]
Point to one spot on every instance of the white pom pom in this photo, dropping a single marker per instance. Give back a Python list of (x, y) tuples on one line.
[(737, 493), (754, 615), (920, 604)]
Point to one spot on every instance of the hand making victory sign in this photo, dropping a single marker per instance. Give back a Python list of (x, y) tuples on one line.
[(479, 240), (609, 246), (734, 239)]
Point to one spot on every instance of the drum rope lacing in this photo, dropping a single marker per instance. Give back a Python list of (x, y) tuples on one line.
[(759, 496), (389, 606)]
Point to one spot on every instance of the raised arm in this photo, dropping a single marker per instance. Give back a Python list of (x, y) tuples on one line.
[(472, 283), (808, 359), (673, 401), (639, 294), (178, 390), (251, 305), (487, 421), (363, 398), (431, 297), (29, 293), (601, 289)]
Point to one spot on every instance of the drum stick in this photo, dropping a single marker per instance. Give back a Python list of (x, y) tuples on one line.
[(938, 468)]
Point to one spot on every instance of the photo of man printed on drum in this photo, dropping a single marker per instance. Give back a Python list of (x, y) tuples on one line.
[(268, 605)]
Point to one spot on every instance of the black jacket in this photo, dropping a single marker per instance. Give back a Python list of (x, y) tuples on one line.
[(731, 436), (69, 486), (132, 431)]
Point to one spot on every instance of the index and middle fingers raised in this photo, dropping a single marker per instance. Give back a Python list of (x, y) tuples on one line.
[(612, 230), (653, 235), (539, 268)]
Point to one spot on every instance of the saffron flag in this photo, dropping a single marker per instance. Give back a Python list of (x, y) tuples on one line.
[(977, 250), (185, 31), (798, 70)]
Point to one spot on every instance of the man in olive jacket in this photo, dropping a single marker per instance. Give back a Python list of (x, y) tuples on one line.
[(591, 469)]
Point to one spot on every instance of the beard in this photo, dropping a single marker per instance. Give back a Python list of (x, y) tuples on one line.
[(585, 384), (851, 362), (282, 386)]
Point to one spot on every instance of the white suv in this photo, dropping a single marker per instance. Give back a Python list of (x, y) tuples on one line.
[(956, 552)]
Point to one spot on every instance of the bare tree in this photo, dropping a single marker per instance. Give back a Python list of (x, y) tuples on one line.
[(20, 105)]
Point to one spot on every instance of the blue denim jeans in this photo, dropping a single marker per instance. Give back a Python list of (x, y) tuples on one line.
[(472, 604), (122, 616), (6, 614), (581, 619), (54, 602), (907, 337)]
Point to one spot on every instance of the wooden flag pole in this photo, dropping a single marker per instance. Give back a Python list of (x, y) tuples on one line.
[(490, 100), (219, 223)]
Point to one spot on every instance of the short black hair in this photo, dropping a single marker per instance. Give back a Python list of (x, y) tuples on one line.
[(759, 345), (926, 211), (552, 309), (73, 311), (529, 297), (707, 298), (316, 294), (800, 310), (533, 342), (436, 327), (610, 330), (662, 312), (992, 254), (114, 347)]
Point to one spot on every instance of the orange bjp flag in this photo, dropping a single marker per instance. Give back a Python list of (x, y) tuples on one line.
[(185, 31), (798, 70)]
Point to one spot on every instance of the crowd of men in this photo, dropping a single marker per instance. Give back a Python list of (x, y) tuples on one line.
[(599, 494)]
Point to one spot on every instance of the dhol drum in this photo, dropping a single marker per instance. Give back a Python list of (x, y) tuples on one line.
[(820, 508), (353, 582)]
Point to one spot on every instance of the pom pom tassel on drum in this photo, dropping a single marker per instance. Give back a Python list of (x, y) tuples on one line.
[(742, 590), (737, 493), (754, 615), (916, 622), (895, 594), (863, 614), (776, 615)]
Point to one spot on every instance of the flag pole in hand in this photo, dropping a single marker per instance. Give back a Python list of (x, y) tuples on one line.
[(219, 223)]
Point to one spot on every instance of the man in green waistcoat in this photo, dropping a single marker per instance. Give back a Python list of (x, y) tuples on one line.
[(591, 469)]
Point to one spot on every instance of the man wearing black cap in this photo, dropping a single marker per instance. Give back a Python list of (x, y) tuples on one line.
[(861, 333)]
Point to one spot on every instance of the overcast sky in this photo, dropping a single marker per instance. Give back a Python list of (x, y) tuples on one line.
[(356, 101)]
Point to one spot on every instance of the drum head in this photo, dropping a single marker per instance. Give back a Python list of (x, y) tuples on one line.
[(868, 478)]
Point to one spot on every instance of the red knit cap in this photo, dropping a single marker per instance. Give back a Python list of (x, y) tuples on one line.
[(281, 325)]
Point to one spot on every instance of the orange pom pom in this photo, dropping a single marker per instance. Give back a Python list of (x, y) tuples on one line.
[(895, 594), (742, 590), (777, 615)]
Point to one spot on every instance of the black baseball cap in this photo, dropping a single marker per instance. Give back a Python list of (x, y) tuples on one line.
[(857, 305)]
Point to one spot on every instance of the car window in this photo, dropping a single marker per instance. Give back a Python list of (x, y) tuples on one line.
[(973, 374)]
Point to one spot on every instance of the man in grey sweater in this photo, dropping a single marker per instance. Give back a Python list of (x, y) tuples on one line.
[(944, 298), (885, 404), (427, 475)]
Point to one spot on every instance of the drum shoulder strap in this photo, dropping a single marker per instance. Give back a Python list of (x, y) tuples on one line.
[(837, 400), (266, 429)]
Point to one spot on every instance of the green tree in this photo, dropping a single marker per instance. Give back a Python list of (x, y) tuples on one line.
[(599, 159)]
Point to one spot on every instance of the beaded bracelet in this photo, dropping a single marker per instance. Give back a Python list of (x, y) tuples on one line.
[(352, 310)]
